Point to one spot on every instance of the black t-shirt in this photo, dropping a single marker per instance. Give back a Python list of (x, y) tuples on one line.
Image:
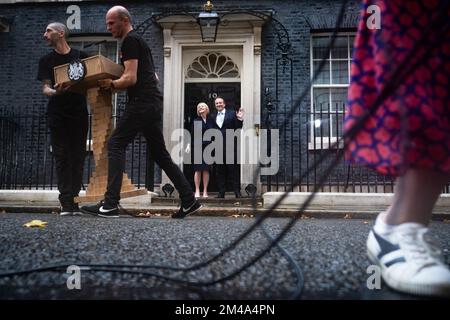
[(134, 47), (67, 103)]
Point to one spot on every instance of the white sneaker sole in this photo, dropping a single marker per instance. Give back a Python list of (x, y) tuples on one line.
[(105, 216), (65, 214)]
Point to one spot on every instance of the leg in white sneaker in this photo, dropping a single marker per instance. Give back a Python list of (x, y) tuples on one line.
[(408, 262), (416, 192)]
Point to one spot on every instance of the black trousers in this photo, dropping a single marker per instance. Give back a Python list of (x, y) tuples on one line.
[(145, 116), (68, 140), (227, 174)]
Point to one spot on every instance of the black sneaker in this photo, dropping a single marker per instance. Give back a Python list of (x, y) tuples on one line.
[(102, 209), (183, 212), (76, 210), (65, 210)]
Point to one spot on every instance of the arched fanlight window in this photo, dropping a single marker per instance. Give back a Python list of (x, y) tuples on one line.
[(212, 65)]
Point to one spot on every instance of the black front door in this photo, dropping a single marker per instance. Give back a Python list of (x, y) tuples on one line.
[(194, 93)]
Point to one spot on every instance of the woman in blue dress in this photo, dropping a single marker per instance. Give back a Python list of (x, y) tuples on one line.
[(201, 168)]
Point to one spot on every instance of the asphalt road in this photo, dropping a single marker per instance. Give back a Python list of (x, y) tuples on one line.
[(330, 253)]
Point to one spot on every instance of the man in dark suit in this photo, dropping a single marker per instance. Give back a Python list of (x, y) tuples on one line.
[(227, 119)]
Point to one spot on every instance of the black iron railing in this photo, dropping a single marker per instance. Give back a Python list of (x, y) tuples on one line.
[(26, 159), (304, 140)]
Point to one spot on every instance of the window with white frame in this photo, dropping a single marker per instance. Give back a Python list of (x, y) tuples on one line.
[(329, 90), (91, 45), (109, 48)]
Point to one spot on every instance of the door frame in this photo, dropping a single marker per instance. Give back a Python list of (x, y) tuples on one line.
[(188, 168), (182, 35)]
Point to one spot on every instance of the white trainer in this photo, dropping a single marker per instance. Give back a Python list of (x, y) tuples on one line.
[(408, 261)]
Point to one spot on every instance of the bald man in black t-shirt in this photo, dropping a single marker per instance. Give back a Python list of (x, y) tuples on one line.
[(67, 118), (143, 113)]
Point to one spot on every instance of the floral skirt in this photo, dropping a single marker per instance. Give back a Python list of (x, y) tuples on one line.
[(411, 127)]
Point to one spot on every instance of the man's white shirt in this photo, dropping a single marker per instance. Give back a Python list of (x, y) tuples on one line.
[(220, 118)]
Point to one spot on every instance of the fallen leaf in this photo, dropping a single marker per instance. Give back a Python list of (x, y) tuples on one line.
[(157, 214), (347, 216), (3, 211), (145, 214), (237, 203), (304, 217), (35, 223), (446, 221), (235, 216), (366, 222)]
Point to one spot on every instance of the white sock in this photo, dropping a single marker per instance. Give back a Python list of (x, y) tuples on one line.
[(382, 227)]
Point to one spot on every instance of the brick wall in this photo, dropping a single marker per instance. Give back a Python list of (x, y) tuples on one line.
[(21, 48)]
